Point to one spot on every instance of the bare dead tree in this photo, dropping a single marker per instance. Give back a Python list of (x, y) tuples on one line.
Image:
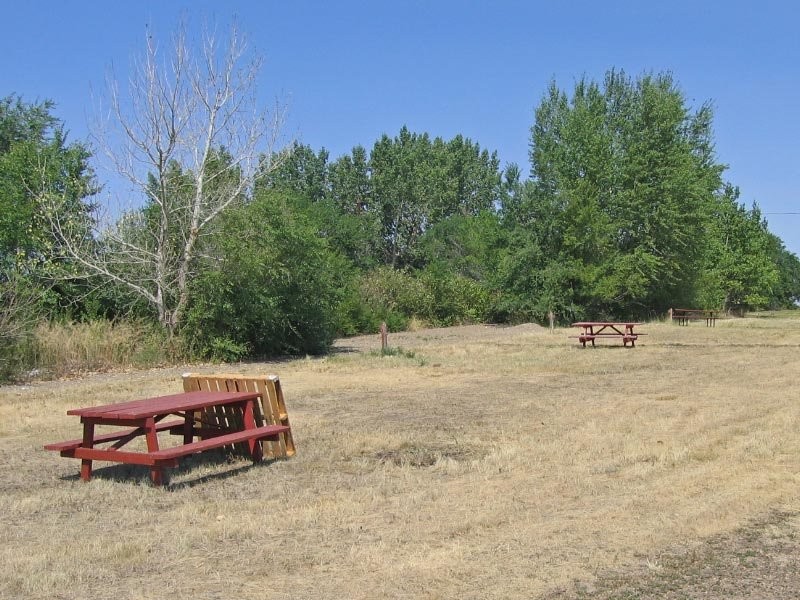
[(189, 137), (20, 306)]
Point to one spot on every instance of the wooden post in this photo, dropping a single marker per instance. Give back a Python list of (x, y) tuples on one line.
[(552, 318), (384, 337)]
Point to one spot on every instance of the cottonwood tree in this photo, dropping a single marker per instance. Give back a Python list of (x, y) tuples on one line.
[(740, 270), (190, 138), (623, 174), (36, 160), (34, 156), (418, 182), (786, 293)]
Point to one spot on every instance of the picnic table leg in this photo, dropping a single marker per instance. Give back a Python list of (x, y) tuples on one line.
[(88, 442), (250, 423), (188, 427), (156, 474)]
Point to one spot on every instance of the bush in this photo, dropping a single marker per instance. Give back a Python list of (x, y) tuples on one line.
[(358, 313), (274, 288), (395, 296), (13, 358), (456, 299), (435, 296)]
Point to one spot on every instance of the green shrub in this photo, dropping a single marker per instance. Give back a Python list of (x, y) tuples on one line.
[(434, 296), (362, 313), (456, 299), (274, 288)]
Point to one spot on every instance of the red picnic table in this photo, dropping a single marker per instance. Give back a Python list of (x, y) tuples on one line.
[(147, 419), (592, 330)]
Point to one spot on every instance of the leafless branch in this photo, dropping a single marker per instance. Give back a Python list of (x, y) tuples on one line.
[(190, 138)]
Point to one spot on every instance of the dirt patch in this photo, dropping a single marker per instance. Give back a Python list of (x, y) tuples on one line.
[(427, 456), (757, 561)]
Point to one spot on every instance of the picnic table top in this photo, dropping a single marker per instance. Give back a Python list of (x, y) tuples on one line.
[(162, 405)]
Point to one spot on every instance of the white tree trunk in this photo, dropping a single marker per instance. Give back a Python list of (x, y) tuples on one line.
[(190, 139)]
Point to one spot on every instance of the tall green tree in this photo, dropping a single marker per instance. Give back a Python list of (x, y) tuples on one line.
[(389, 199), (351, 188), (298, 170), (786, 293), (622, 177), (417, 182), (468, 245), (36, 160), (739, 270)]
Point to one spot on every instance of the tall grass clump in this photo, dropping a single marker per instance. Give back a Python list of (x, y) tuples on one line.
[(59, 349)]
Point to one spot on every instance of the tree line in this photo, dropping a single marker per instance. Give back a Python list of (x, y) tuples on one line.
[(237, 248)]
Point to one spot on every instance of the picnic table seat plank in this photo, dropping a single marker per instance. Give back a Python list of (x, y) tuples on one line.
[(132, 458), (115, 436), (259, 433)]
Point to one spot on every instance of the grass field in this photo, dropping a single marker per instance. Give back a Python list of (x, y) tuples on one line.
[(473, 462)]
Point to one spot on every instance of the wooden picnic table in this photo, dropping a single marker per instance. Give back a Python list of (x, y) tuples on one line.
[(591, 330), (684, 315), (146, 417)]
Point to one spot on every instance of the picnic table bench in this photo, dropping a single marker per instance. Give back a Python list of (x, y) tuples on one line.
[(684, 315), (592, 330), (147, 418)]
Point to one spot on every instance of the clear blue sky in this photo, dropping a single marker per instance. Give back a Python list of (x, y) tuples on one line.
[(352, 71)]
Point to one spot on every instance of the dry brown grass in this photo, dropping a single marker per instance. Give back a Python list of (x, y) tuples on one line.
[(478, 462), (66, 349)]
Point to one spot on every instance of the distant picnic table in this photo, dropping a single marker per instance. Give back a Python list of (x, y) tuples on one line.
[(684, 315), (592, 330), (146, 418)]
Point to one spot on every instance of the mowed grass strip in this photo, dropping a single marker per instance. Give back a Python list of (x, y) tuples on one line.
[(478, 462)]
